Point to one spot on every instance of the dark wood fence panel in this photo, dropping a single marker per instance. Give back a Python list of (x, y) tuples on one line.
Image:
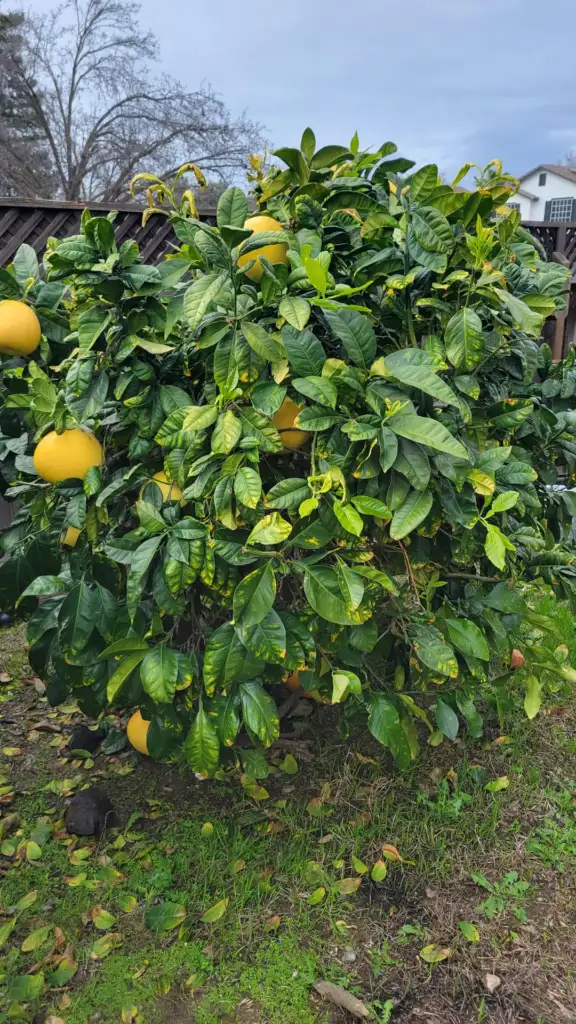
[(34, 221)]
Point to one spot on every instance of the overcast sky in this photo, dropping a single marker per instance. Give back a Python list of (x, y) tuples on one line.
[(447, 80)]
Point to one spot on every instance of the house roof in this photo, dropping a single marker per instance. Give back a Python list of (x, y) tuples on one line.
[(563, 172), (527, 195)]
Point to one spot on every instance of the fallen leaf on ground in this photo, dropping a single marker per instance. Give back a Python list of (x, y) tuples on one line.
[(433, 954), (340, 997)]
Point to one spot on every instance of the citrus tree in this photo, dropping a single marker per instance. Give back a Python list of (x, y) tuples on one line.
[(319, 443)]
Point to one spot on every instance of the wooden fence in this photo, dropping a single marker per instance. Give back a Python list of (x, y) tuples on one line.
[(34, 221)]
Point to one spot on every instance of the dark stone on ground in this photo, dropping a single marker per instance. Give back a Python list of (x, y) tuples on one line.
[(89, 813)]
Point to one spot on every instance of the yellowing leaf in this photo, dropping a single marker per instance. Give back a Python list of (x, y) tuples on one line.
[(533, 698), (289, 765), (6, 930), (103, 946), (347, 886), (379, 871), (102, 919), (433, 954), (469, 931), (272, 924), (236, 866), (37, 938), (207, 829), (126, 903), (359, 865), (33, 851), (502, 782), (391, 853), (216, 912), (317, 896)]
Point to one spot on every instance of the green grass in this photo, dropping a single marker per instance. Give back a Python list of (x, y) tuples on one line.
[(267, 857)]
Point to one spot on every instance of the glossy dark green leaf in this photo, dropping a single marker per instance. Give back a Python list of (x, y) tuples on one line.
[(259, 712)]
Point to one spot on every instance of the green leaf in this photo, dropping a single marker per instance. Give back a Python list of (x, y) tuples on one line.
[(6, 930), (379, 871), (199, 417), (77, 618), (351, 585), (317, 896), (495, 545), (37, 938), (410, 514), (226, 433), (247, 487), (469, 931), (259, 712), (323, 591), (287, 494), (119, 677), (468, 638), (202, 746), (427, 431), (371, 506), (305, 353), (349, 518), (271, 529), (505, 501), (533, 698), (295, 310), (266, 639), (43, 586), (434, 954), (314, 418), (447, 720), (356, 334), (423, 183), (497, 785), (318, 389), (384, 724), (254, 596), (388, 448), (25, 988), (163, 917), (413, 462), (431, 650), (416, 368), (308, 144), (328, 155), (343, 683), (262, 343), (432, 230), (150, 519), (503, 598), (226, 659), (216, 912), (232, 208), (25, 264), (376, 576), (159, 674), (91, 323), (267, 397), (464, 340), (200, 294), (256, 426)]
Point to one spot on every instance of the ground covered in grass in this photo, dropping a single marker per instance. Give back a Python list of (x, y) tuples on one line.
[(217, 903)]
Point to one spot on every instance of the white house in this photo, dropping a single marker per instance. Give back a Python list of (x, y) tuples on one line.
[(547, 193)]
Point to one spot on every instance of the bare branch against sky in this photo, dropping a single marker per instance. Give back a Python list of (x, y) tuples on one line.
[(82, 110)]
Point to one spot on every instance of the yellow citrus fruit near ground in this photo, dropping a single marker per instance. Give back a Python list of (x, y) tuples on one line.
[(273, 253), (70, 537), (137, 732), (170, 490), (19, 328), (283, 419), (67, 456)]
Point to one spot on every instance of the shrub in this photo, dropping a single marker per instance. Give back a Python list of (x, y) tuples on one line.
[(358, 449)]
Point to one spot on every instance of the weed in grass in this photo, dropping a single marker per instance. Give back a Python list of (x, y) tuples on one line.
[(554, 842), (505, 895), (381, 958)]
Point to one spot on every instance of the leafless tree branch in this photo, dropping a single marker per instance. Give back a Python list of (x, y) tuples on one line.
[(81, 109)]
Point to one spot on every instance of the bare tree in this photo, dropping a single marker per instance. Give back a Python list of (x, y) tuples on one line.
[(85, 75)]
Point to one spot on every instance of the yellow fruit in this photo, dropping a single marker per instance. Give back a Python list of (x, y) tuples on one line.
[(170, 490), (19, 328), (70, 537), (273, 253), (67, 456), (137, 732), (283, 419)]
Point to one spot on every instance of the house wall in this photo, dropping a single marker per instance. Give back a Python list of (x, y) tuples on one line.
[(556, 187)]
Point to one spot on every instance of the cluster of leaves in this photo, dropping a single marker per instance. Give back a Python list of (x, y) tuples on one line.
[(389, 559)]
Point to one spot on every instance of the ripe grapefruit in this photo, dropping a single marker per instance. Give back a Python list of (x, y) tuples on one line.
[(68, 455), (137, 732), (19, 328), (283, 419), (273, 253), (170, 490)]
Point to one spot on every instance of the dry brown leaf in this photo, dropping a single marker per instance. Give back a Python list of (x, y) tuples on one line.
[(492, 982)]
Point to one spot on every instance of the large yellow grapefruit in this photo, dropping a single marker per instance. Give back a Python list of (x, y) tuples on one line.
[(284, 419), (273, 253), (68, 455), (137, 732), (170, 490), (19, 328)]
